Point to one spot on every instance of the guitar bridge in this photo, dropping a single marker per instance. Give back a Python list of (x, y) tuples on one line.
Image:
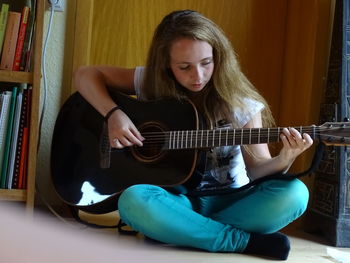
[(105, 148)]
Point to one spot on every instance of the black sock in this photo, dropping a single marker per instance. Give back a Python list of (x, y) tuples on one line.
[(274, 245)]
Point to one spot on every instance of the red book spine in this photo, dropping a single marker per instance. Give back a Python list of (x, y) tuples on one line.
[(22, 165), (22, 180), (20, 40)]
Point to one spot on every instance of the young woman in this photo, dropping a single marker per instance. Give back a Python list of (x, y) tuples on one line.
[(190, 57)]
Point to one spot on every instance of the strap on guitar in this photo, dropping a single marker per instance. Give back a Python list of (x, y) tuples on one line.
[(105, 148), (277, 176), (316, 160), (121, 226), (75, 214)]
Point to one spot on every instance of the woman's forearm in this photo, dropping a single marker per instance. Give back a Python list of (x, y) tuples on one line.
[(91, 85)]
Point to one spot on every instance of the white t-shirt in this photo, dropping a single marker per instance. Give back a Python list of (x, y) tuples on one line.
[(225, 167)]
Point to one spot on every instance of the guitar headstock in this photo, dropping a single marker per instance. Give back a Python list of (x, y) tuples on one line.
[(334, 133)]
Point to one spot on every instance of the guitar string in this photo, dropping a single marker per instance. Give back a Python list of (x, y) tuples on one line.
[(215, 134), (253, 131), (190, 138), (156, 146), (181, 143)]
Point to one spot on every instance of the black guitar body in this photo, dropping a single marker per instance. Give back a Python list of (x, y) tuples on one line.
[(90, 175), (77, 174)]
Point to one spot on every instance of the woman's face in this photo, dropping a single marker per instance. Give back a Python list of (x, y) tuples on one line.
[(191, 62)]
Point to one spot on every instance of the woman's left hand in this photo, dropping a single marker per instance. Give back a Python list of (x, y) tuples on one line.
[(293, 144)]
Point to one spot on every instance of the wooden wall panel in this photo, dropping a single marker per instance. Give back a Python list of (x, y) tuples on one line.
[(308, 35)]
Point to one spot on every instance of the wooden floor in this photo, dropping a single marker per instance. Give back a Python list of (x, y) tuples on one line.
[(48, 239), (306, 248)]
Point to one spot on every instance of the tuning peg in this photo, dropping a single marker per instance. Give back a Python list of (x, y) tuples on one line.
[(346, 119)]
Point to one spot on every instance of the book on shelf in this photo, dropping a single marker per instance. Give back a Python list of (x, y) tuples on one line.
[(23, 166), (15, 110), (29, 54), (28, 39), (3, 21), (21, 140), (15, 136), (10, 40), (20, 39), (9, 130), (23, 160), (4, 116)]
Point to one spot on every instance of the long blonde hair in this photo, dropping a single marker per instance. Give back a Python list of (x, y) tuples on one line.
[(228, 86)]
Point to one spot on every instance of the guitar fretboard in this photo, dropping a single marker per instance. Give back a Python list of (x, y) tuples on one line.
[(225, 137)]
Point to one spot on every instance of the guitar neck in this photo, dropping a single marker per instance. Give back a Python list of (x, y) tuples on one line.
[(227, 137)]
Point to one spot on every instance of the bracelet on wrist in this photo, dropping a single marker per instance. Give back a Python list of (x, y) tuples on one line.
[(111, 112)]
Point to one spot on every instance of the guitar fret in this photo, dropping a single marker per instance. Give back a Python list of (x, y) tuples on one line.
[(181, 141), (259, 136), (184, 142), (250, 136), (278, 134), (172, 140), (226, 137), (207, 138), (202, 138), (219, 137), (170, 133), (213, 143), (234, 137), (196, 139), (180, 134), (242, 136), (188, 140), (268, 135), (191, 139), (177, 140)]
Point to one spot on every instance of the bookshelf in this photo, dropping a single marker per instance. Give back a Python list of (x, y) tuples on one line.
[(32, 78)]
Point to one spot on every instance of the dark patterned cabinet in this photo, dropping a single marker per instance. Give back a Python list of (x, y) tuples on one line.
[(329, 211)]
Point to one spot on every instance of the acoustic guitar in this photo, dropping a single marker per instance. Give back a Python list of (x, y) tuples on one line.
[(90, 175)]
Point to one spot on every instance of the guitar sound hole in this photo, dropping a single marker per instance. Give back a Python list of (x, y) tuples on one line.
[(153, 145)]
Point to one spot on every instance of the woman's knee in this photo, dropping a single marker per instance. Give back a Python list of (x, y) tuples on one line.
[(136, 196), (294, 193), (298, 190), (139, 200)]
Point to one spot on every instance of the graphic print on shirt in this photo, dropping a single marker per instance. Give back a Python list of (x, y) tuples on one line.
[(217, 172)]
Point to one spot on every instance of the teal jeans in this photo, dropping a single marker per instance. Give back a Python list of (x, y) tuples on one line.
[(213, 223)]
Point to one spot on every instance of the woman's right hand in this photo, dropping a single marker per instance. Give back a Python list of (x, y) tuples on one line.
[(122, 131)]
